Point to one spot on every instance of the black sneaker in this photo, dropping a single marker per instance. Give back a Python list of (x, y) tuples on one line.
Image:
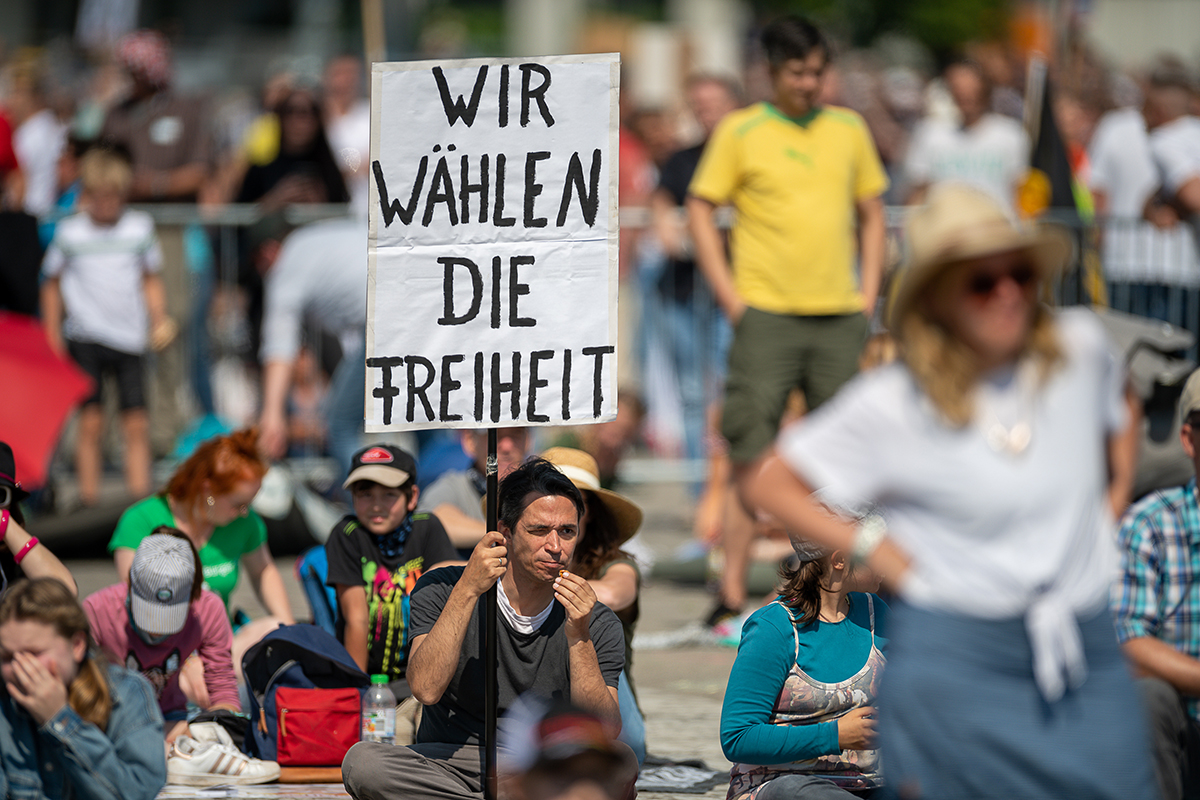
[(720, 614)]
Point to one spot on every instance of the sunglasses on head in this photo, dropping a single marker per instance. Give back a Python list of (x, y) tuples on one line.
[(984, 283)]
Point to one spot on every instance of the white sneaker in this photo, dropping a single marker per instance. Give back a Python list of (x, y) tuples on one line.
[(194, 763), (211, 732)]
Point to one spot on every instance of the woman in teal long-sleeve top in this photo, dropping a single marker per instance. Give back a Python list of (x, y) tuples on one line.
[(798, 718)]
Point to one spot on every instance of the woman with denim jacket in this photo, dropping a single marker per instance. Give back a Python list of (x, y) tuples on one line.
[(72, 727)]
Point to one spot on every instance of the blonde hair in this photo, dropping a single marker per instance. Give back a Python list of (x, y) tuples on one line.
[(947, 370), (49, 601), (101, 169)]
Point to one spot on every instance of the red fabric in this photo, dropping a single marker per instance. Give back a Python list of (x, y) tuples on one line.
[(8, 156), (40, 389), (316, 726)]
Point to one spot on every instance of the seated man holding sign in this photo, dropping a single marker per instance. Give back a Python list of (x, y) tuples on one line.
[(553, 639)]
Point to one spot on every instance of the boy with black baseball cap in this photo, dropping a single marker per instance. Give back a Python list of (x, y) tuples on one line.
[(375, 557)]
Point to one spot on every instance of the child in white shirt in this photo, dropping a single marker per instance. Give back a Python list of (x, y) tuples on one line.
[(102, 271)]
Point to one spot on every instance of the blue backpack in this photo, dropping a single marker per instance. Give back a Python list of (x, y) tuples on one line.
[(293, 657)]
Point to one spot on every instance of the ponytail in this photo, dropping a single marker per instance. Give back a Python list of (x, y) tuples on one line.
[(802, 588), (89, 694)]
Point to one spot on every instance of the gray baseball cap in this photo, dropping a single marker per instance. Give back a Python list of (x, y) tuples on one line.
[(160, 583)]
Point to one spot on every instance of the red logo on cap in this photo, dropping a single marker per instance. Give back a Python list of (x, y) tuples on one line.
[(376, 455)]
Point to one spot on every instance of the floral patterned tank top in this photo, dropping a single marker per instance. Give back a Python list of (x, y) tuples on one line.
[(804, 701)]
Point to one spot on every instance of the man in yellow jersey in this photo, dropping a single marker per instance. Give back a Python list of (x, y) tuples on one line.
[(806, 181)]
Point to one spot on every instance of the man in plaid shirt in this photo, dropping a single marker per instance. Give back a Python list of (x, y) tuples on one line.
[(1156, 606)]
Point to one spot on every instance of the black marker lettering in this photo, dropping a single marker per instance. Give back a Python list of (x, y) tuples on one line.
[(495, 291), (589, 201), (535, 384), (457, 109), (566, 384), (387, 392), (533, 188), (391, 208), (498, 218), (504, 96), (415, 391), (448, 386), (466, 188), (515, 290), (441, 190), (479, 387), (597, 396), (499, 387), (449, 263), (537, 93)]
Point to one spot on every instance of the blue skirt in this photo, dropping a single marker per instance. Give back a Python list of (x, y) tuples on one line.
[(961, 717)]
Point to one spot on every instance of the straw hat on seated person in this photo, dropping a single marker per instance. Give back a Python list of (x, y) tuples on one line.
[(583, 471)]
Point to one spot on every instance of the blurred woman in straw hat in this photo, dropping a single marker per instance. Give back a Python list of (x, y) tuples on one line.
[(991, 457), (611, 521)]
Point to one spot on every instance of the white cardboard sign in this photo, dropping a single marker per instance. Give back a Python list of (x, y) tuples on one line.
[(492, 296)]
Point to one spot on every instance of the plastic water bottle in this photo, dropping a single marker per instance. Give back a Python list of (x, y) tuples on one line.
[(379, 712)]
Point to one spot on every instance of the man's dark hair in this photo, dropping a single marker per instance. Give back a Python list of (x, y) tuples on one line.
[(791, 37), (539, 477), (1170, 72)]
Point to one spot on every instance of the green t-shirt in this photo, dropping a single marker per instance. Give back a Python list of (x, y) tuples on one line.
[(220, 557)]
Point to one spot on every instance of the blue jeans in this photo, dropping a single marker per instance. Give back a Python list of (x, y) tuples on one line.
[(633, 726), (200, 265), (344, 404), (696, 337)]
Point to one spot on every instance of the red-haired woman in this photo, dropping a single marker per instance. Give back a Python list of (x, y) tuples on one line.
[(208, 498)]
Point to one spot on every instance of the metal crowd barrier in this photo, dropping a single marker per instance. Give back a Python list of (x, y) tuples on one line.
[(1126, 264)]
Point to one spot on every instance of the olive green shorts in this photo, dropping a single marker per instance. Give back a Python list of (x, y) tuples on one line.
[(772, 354)]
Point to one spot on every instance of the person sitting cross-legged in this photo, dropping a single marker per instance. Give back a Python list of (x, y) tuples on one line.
[(376, 555), (553, 639)]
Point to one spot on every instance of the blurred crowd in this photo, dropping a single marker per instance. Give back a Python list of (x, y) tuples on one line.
[(233, 314), (303, 138)]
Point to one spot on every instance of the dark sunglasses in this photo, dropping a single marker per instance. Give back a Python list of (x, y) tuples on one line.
[(983, 284), (6, 496)]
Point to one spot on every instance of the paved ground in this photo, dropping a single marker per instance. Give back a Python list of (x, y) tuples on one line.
[(680, 687)]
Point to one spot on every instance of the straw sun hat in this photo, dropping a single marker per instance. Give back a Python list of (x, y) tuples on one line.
[(958, 223), (583, 471)]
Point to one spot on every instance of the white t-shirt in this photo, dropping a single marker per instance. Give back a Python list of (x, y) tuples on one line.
[(38, 143), (990, 534), (992, 155), (1123, 168), (320, 275), (350, 140), (101, 270), (1120, 161), (1176, 150)]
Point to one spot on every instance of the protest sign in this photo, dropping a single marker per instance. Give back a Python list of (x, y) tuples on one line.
[(492, 296)]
